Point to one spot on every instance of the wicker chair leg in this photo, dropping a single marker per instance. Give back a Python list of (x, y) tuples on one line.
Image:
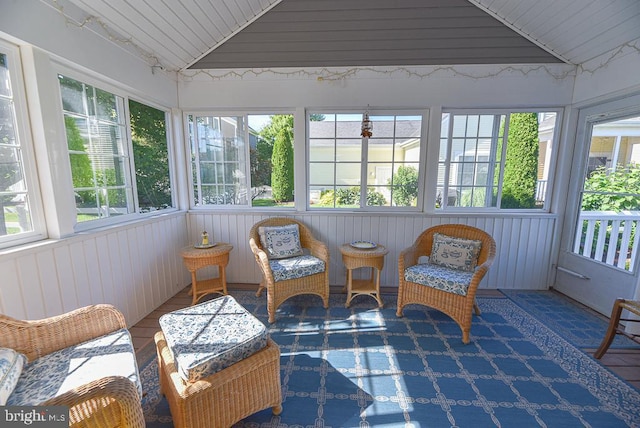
[(465, 336), (611, 331), (260, 288), (476, 308)]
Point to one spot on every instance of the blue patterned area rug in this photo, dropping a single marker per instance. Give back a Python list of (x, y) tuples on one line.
[(364, 367), (580, 326)]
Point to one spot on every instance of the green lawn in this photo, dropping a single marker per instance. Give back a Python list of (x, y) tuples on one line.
[(270, 203)]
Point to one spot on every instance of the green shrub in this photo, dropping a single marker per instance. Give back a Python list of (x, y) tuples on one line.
[(405, 186), (282, 167), (521, 163)]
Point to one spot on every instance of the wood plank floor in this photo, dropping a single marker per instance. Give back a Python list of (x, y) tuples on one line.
[(624, 362)]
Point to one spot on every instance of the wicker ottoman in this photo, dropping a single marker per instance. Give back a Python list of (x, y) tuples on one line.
[(217, 365)]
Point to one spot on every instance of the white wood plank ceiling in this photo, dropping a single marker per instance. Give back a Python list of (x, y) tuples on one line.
[(180, 34)]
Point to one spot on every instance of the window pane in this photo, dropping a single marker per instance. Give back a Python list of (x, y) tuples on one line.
[(348, 125), (321, 174), (151, 157), (348, 150), (478, 173), (321, 150), (396, 179), (348, 173), (98, 153), (219, 160), (73, 96), (271, 159), (395, 142), (14, 196)]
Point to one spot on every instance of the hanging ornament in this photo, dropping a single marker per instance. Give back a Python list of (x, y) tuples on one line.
[(367, 126)]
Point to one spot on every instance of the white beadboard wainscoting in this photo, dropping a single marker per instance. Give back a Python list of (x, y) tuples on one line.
[(523, 258), (136, 267)]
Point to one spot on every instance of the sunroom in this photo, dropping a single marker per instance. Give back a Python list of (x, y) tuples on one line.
[(129, 128)]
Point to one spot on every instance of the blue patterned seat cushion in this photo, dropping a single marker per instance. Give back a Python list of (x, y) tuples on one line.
[(211, 336), (11, 363), (295, 267), (440, 277), (59, 372)]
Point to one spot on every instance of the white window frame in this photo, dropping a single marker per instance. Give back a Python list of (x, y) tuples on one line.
[(25, 139), (193, 186), (170, 153), (131, 176), (422, 112), (503, 111)]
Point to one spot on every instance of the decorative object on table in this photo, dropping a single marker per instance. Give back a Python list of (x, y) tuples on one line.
[(216, 254), (204, 242), (299, 266), (367, 126), (363, 245), (217, 364), (450, 279), (355, 257)]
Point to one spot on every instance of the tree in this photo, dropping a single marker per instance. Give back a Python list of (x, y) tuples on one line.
[(260, 158), (405, 186), (151, 156), (521, 163), (282, 164), (81, 168)]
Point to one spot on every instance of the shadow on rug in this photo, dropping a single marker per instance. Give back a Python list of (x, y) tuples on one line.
[(364, 367)]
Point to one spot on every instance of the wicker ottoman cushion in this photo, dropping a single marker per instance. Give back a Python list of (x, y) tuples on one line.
[(211, 336)]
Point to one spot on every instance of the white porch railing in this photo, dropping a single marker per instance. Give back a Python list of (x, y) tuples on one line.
[(609, 237)]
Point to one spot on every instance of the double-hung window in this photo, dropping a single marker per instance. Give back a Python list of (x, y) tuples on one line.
[(495, 160), (349, 171), (118, 166), (241, 159), (20, 205)]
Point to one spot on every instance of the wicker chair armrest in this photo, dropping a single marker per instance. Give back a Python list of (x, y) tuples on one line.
[(482, 269), (36, 338), (318, 249), (261, 258), (408, 257), (110, 401)]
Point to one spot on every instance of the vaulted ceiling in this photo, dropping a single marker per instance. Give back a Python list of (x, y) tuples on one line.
[(206, 34)]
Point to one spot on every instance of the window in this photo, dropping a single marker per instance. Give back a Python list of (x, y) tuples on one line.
[(151, 157), (20, 210), (495, 160), (100, 153), (242, 160), (348, 171)]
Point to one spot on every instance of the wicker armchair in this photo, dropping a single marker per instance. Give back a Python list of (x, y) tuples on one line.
[(279, 291), (107, 402), (457, 306)]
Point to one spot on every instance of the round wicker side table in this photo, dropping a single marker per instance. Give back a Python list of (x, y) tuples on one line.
[(198, 258), (355, 258)]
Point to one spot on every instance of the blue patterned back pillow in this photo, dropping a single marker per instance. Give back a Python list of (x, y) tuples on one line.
[(455, 253), (281, 242)]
